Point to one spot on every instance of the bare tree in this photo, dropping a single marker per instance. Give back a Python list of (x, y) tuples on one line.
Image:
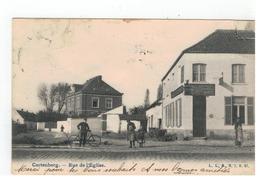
[(43, 94), (159, 92), (53, 96), (61, 91)]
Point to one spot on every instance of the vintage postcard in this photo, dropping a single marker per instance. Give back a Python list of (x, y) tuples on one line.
[(133, 97)]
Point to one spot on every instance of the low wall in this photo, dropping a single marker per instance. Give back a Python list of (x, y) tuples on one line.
[(218, 134)]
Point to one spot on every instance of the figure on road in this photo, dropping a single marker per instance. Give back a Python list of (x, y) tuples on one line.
[(238, 132), (83, 130), (140, 136), (131, 133), (62, 128)]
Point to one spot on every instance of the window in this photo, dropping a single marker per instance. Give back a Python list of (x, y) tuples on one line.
[(178, 113), (239, 108), (109, 103), (95, 102), (199, 72), (169, 115), (78, 102), (182, 74), (238, 73)]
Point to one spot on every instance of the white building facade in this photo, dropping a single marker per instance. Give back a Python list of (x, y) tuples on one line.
[(210, 85), (154, 115)]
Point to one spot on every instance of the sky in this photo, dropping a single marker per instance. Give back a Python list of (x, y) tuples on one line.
[(131, 55)]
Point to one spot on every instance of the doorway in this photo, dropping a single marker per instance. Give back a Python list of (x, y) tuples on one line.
[(199, 116)]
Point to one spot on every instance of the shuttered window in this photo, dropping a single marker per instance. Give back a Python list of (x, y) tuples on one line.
[(178, 113), (169, 115), (250, 111), (172, 114), (228, 110), (182, 74), (166, 117)]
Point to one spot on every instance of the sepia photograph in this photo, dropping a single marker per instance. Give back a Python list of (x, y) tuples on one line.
[(133, 96)]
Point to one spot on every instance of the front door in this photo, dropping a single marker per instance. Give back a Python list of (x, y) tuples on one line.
[(199, 116)]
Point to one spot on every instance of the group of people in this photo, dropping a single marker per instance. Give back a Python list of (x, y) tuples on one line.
[(135, 136)]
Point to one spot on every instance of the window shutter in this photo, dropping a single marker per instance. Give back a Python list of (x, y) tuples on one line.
[(250, 111), (180, 109), (172, 110), (228, 111)]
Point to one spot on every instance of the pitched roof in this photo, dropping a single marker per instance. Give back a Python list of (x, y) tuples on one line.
[(222, 41), (137, 117), (158, 102), (77, 87), (96, 85), (27, 116), (226, 41)]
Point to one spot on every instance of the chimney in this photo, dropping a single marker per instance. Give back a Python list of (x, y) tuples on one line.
[(99, 77)]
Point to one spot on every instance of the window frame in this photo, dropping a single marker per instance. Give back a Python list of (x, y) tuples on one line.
[(199, 72), (106, 99), (236, 71), (92, 99)]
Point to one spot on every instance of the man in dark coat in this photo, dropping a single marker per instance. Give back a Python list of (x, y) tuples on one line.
[(131, 133), (84, 128)]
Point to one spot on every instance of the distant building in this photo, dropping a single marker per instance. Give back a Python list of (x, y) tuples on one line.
[(154, 115), (92, 98), (115, 120), (24, 117), (210, 85)]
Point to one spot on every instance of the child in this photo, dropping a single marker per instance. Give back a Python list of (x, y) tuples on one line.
[(140, 136)]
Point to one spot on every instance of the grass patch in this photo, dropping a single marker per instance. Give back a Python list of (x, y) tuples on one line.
[(40, 138)]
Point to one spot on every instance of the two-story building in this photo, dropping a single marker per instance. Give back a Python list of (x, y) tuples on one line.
[(211, 84), (92, 98)]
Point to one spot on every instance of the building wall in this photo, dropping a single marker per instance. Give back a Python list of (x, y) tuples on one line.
[(40, 126), (217, 65), (16, 117), (153, 115), (113, 123), (82, 103), (70, 125)]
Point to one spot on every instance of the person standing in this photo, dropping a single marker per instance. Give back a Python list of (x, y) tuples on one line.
[(238, 132), (83, 130), (62, 128), (131, 133), (141, 136)]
